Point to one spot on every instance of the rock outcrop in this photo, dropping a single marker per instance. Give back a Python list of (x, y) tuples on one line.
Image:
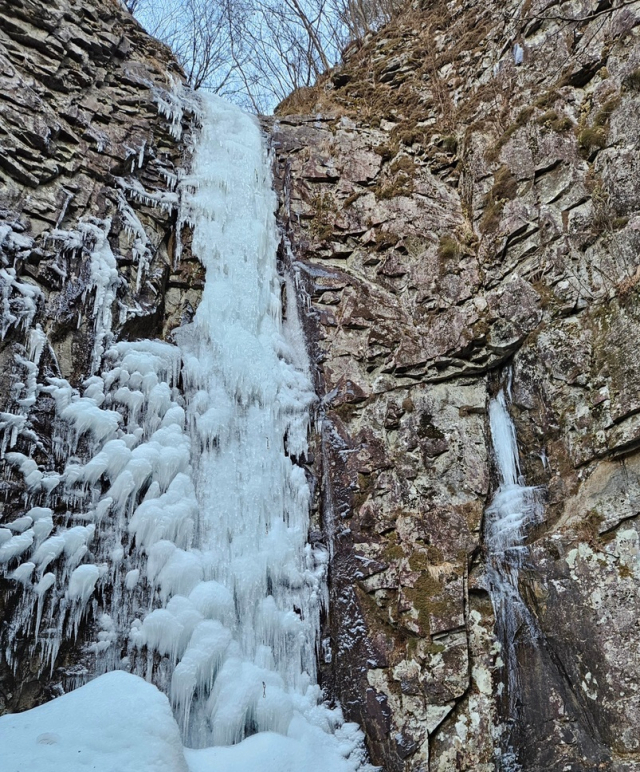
[(461, 200)]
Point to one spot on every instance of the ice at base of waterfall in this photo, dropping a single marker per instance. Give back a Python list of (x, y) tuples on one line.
[(117, 722), (121, 723)]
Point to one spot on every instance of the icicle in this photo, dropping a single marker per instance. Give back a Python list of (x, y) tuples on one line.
[(514, 509), (19, 301)]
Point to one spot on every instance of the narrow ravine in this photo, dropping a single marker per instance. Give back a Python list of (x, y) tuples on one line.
[(195, 498)]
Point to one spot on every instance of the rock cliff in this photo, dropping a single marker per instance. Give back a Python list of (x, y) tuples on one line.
[(460, 201), (461, 198)]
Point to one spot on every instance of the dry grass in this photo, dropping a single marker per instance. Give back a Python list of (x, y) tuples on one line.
[(631, 81), (589, 138), (505, 188)]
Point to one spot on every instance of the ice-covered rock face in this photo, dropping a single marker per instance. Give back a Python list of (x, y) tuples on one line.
[(88, 256), (182, 464)]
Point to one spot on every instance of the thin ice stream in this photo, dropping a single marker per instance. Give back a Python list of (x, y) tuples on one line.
[(191, 551), (514, 509)]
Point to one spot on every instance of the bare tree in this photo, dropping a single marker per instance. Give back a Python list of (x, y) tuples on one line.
[(199, 32), (132, 5), (258, 51)]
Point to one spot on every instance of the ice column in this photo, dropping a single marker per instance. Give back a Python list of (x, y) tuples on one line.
[(254, 580), (514, 508)]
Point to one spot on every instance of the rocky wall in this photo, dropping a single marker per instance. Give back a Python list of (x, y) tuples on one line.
[(460, 204), (461, 201), (93, 137)]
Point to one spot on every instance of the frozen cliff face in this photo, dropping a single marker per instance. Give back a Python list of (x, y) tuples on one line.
[(462, 196), (94, 135)]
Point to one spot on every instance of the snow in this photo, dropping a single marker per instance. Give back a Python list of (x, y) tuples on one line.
[(20, 524), (120, 723), (83, 581), (307, 751), (164, 199), (116, 723), (15, 546), (23, 572), (86, 416)]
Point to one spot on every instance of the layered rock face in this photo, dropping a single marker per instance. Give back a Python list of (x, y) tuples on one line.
[(461, 198), (91, 144)]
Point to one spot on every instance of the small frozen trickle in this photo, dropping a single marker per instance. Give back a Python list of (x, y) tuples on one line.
[(515, 507), (518, 54)]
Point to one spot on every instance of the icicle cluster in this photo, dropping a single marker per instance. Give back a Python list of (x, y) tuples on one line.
[(183, 468), (131, 428)]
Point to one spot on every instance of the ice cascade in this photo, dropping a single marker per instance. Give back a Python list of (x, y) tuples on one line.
[(240, 614), (187, 500)]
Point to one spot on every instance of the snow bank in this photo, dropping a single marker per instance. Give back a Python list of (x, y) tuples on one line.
[(117, 723), (312, 750)]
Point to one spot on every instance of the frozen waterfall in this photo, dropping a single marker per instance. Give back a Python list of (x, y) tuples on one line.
[(514, 509), (247, 599), (514, 506), (195, 505)]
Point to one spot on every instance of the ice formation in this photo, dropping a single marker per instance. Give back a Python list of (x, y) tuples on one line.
[(183, 469), (515, 507)]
